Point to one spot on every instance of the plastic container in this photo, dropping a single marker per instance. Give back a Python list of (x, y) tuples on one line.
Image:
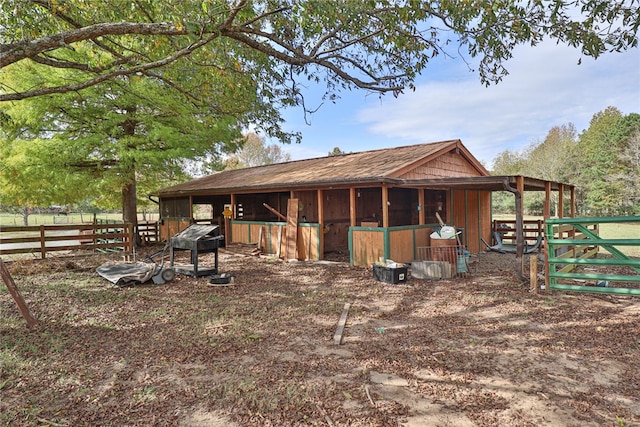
[(390, 275)]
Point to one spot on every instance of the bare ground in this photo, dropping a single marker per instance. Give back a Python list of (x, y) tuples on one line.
[(480, 350)]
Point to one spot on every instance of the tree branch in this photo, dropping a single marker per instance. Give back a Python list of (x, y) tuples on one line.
[(14, 52), (101, 78)]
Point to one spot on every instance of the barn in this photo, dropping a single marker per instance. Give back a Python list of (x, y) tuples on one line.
[(370, 204)]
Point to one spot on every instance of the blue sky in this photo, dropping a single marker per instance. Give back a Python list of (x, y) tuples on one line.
[(546, 87)]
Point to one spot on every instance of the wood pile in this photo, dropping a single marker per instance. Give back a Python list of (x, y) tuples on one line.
[(249, 249)]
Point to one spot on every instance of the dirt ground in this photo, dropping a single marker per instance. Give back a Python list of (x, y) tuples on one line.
[(480, 350)]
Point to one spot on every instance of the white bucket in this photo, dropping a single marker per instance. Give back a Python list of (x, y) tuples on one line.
[(447, 232)]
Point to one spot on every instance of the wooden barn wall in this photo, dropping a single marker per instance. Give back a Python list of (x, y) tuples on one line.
[(403, 206), (367, 246), (337, 219), (248, 232), (308, 205), (368, 205), (486, 219), (403, 243), (172, 226), (472, 213), (449, 165)]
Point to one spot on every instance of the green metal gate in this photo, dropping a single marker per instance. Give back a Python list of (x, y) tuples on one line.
[(563, 259)]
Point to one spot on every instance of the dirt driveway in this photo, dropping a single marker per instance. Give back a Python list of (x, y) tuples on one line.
[(480, 350)]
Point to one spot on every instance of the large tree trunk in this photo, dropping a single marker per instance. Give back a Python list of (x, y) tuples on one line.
[(129, 190), (130, 205)]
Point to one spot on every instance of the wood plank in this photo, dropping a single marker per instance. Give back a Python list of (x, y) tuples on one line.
[(15, 293), (279, 241), (337, 337), (292, 229)]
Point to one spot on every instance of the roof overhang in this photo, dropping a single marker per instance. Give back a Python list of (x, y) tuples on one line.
[(482, 183), (487, 183)]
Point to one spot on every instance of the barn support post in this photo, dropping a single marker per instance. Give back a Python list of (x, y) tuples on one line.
[(385, 206), (560, 201), (547, 215), (421, 214), (517, 192), (352, 206), (321, 222)]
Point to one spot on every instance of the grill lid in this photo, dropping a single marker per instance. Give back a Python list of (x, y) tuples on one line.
[(197, 231)]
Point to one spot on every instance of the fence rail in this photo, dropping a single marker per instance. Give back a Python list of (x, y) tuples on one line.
[(531, 229), (574, 242), (44, 239)]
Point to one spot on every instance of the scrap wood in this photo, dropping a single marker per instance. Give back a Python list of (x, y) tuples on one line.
[(366, 389), (291, 245), (337, 337), (15, 293), (279, 242), (275, 212), (243, 249)]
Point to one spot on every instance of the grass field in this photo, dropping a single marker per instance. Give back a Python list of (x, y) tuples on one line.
[(7, 219), (607, 231)]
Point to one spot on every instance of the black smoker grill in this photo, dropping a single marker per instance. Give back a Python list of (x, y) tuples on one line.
[(198, 238)]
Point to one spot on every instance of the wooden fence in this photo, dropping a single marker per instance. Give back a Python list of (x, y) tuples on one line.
[(45, 239), (507, 229)]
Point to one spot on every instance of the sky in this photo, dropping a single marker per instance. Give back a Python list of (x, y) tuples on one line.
[(546, 87)]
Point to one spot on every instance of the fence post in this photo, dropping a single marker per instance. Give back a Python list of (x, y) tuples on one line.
[(533, 272), (43, 246)]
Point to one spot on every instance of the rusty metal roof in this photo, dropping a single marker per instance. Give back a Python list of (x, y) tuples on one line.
[(366, 167)]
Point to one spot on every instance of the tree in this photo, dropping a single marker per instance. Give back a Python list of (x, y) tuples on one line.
[(113, 139), (546, 159), (506, 163), (257, 53), (380, 46), (598, 152), (336, 152), (550, 160), (631, 155), (254, 152)]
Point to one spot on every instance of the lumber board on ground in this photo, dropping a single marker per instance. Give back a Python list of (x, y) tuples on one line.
[(337, 337)]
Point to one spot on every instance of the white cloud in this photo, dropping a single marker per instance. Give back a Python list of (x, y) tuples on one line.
[(546, 87)]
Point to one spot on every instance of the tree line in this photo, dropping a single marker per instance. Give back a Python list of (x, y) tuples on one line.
[(603, 162), (111, 103)]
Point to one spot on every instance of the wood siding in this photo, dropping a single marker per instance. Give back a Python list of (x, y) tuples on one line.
[(367, 246), (172, 226), (448, 165), (248, 232), (400, 244), (472, 213)]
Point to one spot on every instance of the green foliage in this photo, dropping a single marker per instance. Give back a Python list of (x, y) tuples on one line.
[(70, 147), (604, 168), (380, 46), (254, 152), (130, 92), (336, 152), (603, 162)]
